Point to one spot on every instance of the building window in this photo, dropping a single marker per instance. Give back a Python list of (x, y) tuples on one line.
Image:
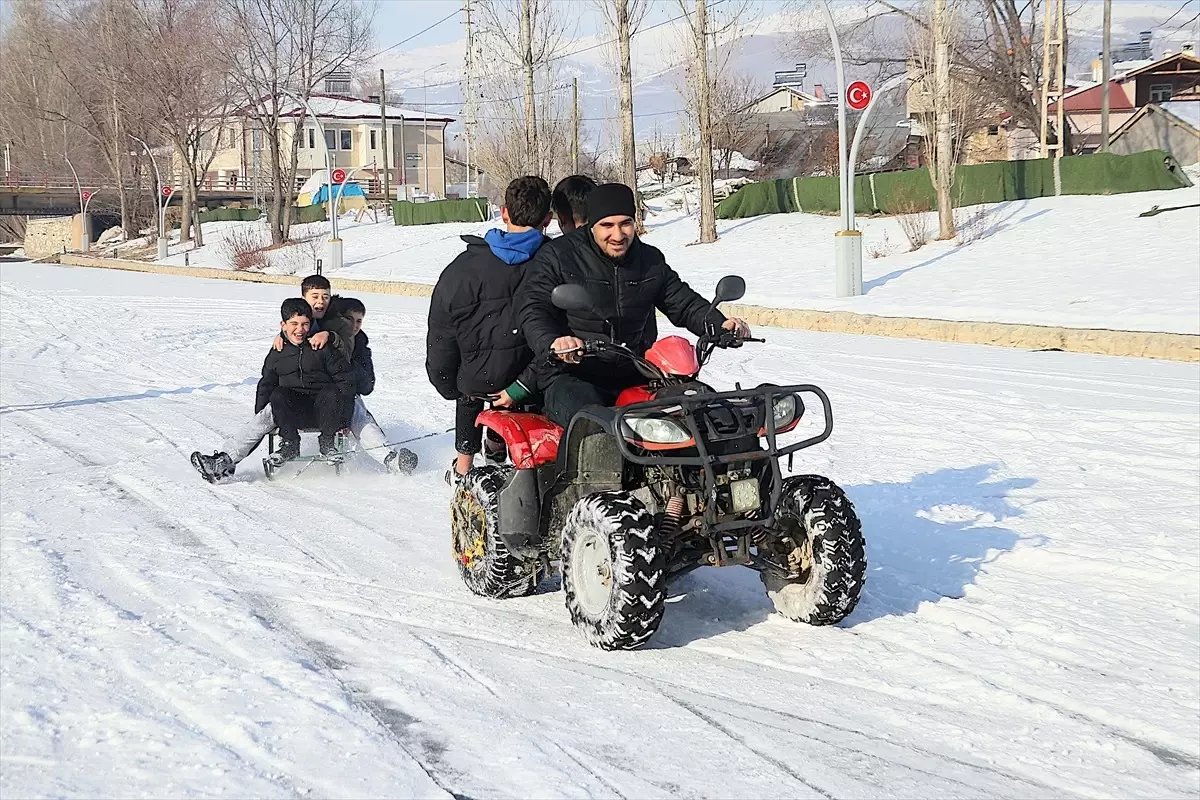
[(993, 130), (346, 138), (1160, 92), (330, 139), (312, 138)]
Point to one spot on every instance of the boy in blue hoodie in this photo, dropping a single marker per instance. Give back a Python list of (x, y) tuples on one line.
[(475, 349)]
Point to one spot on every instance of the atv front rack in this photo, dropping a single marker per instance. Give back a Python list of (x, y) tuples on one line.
[(706, 461)]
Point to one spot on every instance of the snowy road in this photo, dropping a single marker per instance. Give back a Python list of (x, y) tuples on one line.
[(1030, 626)]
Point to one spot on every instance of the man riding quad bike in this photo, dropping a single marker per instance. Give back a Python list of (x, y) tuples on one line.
[(676, 476)]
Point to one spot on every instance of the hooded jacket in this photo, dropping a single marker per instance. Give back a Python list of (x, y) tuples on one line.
[(625, 291), (474, 346), (303, 369)]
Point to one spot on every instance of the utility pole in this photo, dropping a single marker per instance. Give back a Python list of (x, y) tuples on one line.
[(1053, 74), (575, 125), (1105, 75), (383, 140), (470, 93), (708, 212), (532, 155), (943, 124)]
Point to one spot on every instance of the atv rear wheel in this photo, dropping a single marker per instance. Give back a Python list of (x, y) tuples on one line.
[(823, 542), (613, 572), (485, 564)]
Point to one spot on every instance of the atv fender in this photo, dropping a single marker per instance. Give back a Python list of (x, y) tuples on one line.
[(519, 515)]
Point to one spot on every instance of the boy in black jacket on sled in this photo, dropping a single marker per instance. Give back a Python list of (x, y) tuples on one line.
[(305, 387), (475, 348)]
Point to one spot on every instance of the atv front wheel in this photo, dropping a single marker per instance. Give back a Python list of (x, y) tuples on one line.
[(819, 535), (486, 565), (613, 573)]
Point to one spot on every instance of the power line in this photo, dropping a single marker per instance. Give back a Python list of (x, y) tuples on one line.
[(1176, 14), (415, 35), (561, 56)]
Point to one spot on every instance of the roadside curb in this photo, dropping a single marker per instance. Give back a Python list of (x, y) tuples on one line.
[(1141, 344)]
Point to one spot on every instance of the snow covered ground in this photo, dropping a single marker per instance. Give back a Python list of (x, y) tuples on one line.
[(1085, 262), (1030, 625)]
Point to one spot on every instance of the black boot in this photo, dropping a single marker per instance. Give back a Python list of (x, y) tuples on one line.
[(213, 468)]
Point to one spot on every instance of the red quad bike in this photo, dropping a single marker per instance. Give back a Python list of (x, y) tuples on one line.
[(677, 476)]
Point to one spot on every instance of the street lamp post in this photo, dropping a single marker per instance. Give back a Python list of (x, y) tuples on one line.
[(425, 125), (161, 198), (335, 243), (85, 233), (848, 241)]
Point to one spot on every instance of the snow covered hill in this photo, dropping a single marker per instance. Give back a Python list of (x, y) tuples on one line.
[(1083, 262), (1029, 626)]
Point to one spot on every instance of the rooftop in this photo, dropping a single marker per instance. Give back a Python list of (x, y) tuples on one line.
[(332, 106)]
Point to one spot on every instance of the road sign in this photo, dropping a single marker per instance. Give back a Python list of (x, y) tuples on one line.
[(167, 190), (339, 175), (413, 156), (86, 195), (858, 95)]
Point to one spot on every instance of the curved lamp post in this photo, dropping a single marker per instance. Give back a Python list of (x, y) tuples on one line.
[(161, 199)]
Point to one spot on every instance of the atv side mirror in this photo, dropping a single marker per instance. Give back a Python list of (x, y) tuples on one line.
[(729, 288), (571, 297)]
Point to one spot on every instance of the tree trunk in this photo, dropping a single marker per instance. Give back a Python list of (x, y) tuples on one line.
[(944, 143), (531, 137), (625, 79), (289, 181), (187, 201), (708, 212)]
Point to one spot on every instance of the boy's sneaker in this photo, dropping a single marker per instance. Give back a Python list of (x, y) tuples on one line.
[(329, 448), (495, 451), (401, 461), (213, 468), (288, 450), (452, 476)]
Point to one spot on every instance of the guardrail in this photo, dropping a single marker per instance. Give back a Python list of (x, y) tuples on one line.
[(13, 179)]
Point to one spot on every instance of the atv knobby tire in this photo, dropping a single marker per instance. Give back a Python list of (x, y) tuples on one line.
[(486, 565), (826, 536), (613, 572)]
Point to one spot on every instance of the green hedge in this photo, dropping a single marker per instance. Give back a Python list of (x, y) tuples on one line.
[(473, 209), (302, 215), (994, 182)]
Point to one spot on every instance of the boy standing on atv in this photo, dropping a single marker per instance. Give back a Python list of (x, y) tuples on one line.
[(305, 386), (326, 328), (629, 279), (475, 350)]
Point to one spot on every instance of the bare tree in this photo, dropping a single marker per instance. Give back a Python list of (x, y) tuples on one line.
[(705, 66), (539, 33), (626, 16), (189, 96), (732, 125), (524, 100), (289, 45)]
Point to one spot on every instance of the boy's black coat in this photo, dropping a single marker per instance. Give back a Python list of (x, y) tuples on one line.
[(303, 369), (362, 366), (475, 346)]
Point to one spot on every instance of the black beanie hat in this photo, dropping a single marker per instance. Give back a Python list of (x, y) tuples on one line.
[(610, 200)]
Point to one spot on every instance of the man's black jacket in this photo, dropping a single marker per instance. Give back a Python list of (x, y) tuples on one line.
[(303, 369), (362, 365), (474, 345), (627, 292)]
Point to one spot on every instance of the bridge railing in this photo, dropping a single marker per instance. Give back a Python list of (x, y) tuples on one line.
[(14, 179)]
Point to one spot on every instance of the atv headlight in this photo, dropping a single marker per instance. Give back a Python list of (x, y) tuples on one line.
[(785, 411), (656, 430)]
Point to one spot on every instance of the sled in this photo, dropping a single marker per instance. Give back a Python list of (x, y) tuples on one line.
[(272, 464)]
